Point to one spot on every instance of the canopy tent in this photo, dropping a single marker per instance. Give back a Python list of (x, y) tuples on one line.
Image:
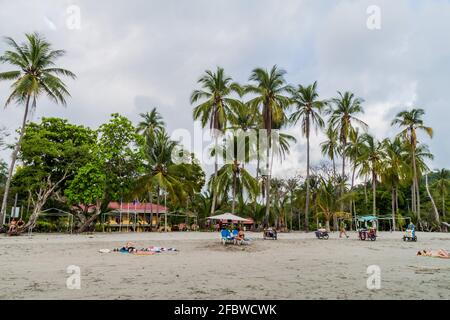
[(367, 218), (230, 217)]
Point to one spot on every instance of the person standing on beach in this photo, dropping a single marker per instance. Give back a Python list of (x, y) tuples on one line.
[(342, 230)]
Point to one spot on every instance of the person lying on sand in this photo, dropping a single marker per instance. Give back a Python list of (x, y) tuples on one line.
[(442, 253), (129, 247)]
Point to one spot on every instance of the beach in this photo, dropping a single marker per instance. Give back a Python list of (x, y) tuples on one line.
[(296, 266)]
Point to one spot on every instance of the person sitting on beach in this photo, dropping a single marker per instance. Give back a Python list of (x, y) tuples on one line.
[(12, 226), (442, 253), (240, 236), (20, 223)]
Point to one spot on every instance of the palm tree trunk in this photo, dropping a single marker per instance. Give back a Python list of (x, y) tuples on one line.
[(366, 198), (436, 212), (393, 207), (234, 193), (374, 194), (416, 185), (334, 166), (352, 201), (157, 206), (307, 181), (216, 169), (266, 218), (13, 162)]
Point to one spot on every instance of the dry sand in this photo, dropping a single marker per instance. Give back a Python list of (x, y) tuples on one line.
[(297, 266)]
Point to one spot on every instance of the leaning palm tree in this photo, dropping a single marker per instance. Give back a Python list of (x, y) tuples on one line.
[(216, 97), (36, 74), (343, 119), (269, 88), (411, 121), (308, 110), (151, 123)]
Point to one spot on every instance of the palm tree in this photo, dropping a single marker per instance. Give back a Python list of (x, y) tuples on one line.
[(354, 153), (161, 173), (270, 89), (36, 74), (330, 147), (372, 153), (150, 124), (308, 109), (393, 171), (442, 185), (411, 121), (343, 120), (233, 174), (216, 97)]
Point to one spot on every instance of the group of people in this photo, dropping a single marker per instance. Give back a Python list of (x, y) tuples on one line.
[(14, 226)]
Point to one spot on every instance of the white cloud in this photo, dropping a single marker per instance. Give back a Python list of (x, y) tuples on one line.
[(130, 56)]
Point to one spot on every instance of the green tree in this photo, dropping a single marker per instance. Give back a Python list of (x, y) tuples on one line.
[(411, 122), (232, 175), (36, 74), (330, 147), (442, 186), (308, 110), (51, 152), (270, 90), (394, 171), (216, 96), (343, 119), (372, 153), (151, 122)]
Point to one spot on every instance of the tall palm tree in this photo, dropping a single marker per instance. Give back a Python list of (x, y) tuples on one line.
[(36, 74), (442, 186), (354, 153), (308, 110), (161, 173), (411, 121), (343, 119), (393, 171), (372, 153), (330, 147), (151, 123), (270, 89), (216, 96), (232, 175)]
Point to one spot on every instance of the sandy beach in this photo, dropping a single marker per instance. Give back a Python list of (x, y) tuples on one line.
[(297, 266)]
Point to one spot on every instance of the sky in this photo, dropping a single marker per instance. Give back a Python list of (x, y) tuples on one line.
[(131, 56)]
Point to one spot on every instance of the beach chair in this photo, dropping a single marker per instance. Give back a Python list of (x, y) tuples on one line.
[(226, 237)]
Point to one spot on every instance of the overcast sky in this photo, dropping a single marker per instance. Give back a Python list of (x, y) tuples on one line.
[(133, 55)]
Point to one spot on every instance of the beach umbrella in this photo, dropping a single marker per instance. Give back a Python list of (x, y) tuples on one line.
[(227, 217)]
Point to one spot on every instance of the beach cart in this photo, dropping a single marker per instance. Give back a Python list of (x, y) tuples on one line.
[(270, 234), (322, 235), (367, 228), (410, 233)]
